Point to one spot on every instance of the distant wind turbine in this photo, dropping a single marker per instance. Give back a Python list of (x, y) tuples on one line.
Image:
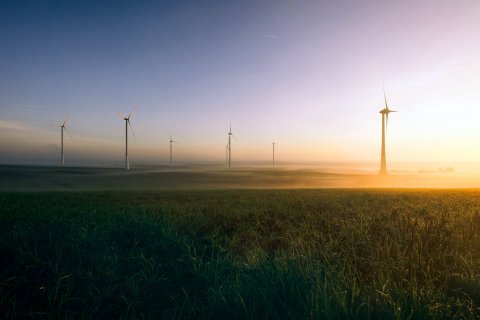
[(171, 147), (127, 124), (63, 128), (273, 154), (229, 146), (385, 111)]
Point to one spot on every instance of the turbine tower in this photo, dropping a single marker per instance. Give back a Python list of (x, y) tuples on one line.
[(273, 154), (63, 128), (171, 144), (226, 155), (127, 124), (229, 146), (385, 111)]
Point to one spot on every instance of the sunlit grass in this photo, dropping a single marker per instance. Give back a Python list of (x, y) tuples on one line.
[(241, 254)]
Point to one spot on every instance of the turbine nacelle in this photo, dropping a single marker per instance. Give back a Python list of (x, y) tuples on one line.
[(171, 139), (127, 118), (385, 111)]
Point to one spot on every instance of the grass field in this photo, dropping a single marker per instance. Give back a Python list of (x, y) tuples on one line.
[(396, 254)]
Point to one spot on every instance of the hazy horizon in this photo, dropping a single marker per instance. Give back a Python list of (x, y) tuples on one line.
[(308, 75), (449, 168)]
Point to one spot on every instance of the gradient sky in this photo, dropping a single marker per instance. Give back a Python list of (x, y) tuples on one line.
[(308, 74)]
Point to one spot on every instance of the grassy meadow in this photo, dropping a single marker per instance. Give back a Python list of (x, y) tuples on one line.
[(250, 254)]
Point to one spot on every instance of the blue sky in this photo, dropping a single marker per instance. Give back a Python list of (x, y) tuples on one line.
[(308, 74)]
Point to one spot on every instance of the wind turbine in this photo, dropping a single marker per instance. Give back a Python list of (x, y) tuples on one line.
[(171, 142), (273, 155), (127, 124), (63, 128), (229, 146), (385, 111)]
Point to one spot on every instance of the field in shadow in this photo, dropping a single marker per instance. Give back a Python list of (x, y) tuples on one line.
[(220, 254)]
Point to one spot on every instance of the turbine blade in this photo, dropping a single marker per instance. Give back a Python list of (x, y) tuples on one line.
[(385, 97), (121, 115), (387, 121), (133, 112), (64, 128), (131, 128), (66, 119)]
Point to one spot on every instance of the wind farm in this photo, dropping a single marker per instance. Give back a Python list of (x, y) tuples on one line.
[(228, 149), (269, 200)]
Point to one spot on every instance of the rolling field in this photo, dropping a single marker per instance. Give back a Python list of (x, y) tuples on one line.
[(255, 254)]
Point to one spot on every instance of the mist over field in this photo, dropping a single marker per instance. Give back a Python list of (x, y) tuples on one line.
[(214, 176)]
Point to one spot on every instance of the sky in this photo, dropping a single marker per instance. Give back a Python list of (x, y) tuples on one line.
[(307, 74)]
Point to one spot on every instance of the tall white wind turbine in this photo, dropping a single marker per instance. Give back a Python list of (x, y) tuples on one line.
[(273, 152), (127, 125), (63, 128), (171, 148), (229, 146), (385, 111)]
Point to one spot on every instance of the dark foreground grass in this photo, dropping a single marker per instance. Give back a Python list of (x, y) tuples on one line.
[(240, 254)]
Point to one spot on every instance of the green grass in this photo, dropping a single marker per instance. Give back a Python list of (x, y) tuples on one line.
[(240, 254)]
